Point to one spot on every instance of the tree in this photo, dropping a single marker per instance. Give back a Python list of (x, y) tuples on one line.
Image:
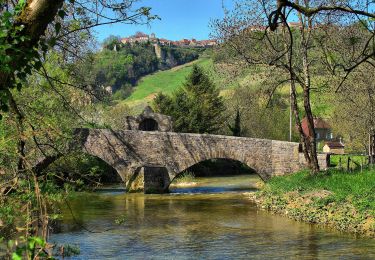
[(39, 103), (196, 107), (261, 35), (236, 127), (32, 26), (260, 118), (353, 110), (112, 42)]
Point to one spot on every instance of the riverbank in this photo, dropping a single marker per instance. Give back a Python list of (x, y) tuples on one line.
[(212, 220), (344, 201)]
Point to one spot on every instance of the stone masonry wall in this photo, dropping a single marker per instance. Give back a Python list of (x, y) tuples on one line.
[(128, 151)]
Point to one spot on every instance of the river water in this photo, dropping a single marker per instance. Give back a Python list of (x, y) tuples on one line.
[(212, 220)]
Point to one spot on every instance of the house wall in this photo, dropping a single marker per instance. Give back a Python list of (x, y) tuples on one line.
[(326, 149), (338, 151), (323, 134)]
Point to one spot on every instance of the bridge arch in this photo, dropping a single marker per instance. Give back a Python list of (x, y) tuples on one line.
[(219, 166), (190, 164), (85, 166), (214, 169)]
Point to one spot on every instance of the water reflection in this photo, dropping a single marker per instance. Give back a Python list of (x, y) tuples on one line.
[(206, 223)]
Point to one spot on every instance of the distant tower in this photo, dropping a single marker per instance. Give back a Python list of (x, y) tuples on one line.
[(152, 36), (158, 51)]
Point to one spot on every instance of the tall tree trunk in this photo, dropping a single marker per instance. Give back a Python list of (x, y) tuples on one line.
[(303, 139), (293, 93), (311, 140)]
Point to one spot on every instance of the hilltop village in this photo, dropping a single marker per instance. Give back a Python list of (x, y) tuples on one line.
[(141, 37)]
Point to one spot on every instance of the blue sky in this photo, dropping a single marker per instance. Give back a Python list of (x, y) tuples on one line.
[(179, 19)]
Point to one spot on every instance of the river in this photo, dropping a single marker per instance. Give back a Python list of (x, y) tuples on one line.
[(211, 220)]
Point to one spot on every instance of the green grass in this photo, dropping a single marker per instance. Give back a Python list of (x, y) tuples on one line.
[(355, 160), (358, 188), (165, 81)]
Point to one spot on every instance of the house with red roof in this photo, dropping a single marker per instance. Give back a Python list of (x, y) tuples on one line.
[(323, 131)]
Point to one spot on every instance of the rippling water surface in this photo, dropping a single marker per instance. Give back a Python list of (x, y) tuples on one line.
[(213, 220)]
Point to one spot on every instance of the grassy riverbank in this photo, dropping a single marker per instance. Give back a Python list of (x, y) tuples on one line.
[(345, 201)]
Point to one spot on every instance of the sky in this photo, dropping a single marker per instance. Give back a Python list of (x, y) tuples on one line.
[(179, 19)]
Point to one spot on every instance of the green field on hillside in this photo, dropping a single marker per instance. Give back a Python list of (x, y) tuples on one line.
[(168, 81), (164, 81)]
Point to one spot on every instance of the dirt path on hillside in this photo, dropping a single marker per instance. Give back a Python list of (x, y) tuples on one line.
[(183, 65)]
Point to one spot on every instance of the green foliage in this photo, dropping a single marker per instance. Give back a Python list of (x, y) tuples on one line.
[(236, 128), (174, 56), (344, 201), (69, 250), (29, 248), (50, 118), (123, 92), (260, 116), (354, 164), (80, 172), (19, 54), (111, 41), (196, 107), (220, 167), (185, 177), (121, 220)]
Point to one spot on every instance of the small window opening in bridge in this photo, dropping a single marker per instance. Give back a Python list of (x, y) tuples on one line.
[(148, 124), (216, 175), (83, 171)]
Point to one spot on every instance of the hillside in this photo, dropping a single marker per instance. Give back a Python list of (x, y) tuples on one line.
[(167, 81), (118, 69), (162, 81)]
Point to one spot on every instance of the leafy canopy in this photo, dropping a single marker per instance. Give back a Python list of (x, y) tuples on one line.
[(196, 107)]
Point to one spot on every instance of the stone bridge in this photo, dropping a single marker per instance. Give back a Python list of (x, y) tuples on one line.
[(150, 160)]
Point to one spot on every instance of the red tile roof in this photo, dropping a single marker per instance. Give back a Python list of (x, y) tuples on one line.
[(318, 124)]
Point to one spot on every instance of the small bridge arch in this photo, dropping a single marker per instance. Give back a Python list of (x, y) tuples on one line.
[(148, 124)]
